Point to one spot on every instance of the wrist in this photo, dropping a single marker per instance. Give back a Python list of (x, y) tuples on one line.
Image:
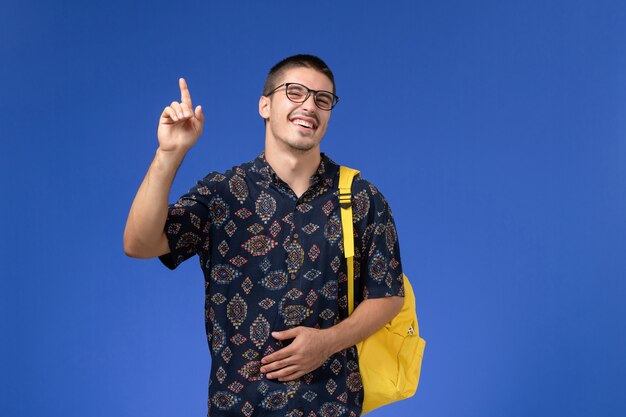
[(332, 336), (169, 159)]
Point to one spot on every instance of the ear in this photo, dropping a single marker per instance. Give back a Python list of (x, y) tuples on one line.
[(264, 107)]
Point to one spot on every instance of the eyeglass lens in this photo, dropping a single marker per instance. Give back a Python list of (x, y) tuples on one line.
[(299, 93)]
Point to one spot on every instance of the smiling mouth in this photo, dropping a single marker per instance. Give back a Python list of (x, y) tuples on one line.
[(303, 123)]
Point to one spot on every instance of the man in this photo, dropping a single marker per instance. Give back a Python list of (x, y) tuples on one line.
[(268, 235)]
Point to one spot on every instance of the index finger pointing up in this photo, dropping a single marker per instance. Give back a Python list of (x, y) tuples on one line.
[(185, 97)]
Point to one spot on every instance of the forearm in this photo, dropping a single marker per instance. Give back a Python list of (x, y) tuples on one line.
[(370, 316), (144, 234)]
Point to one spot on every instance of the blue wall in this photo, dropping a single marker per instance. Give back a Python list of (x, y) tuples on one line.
[(496, 130)]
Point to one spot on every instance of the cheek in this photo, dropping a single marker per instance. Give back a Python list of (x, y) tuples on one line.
[(281, 113), (324, 121)]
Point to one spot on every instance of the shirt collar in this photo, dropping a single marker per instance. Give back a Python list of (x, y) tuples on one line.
[(325, 173)]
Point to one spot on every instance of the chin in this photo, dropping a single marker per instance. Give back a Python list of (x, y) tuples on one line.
[(296, 142), (302, 147), (300, 143)]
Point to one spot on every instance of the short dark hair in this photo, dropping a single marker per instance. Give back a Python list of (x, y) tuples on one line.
[(296, 61)]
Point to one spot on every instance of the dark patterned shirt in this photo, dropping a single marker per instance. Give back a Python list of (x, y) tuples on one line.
[(273, 261)]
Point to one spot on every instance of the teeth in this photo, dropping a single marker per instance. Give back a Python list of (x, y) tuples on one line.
[(303, 123)]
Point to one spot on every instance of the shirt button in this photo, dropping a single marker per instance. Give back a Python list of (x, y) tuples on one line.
[(295, 236), (293, 276)]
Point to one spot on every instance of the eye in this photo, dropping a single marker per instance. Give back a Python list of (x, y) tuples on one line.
[(325, 99), (296, 92)]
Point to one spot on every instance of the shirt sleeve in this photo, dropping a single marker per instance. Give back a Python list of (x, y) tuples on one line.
[(188, 224), (379, 264)]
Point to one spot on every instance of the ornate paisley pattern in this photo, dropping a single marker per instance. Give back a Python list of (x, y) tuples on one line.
[(259, 331), (219, 210), (332, 231), (259, 245), (295, 256), (237, 310), (360, 206), (332, 410), (238, 188), (265, 206), (251, 371), (218, 339), (275, 400), (224, 400), (224, 274), (273, 261), (294, 315), (275, 280), (329, 290), (378, 267)]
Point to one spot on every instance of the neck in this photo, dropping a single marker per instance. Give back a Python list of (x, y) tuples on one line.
[(296, 169)]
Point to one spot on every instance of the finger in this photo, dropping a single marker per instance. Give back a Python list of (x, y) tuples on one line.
[(199, 114), (278, 355), (286, 334), (185, 97), (276, 365), (286, 374), (187, 112), (178, 109), (292, 377), (169, 114)]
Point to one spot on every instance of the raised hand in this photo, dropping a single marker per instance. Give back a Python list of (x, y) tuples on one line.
[(179, 125)]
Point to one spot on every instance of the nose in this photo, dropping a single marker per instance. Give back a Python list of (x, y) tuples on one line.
[(309, 103)]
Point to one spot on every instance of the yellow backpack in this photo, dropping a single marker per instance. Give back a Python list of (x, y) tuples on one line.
[(389, 360)]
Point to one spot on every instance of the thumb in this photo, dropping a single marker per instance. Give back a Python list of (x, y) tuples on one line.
[(286, 334), (199, 114)]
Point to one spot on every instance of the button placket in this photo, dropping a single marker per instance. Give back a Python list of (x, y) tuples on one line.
[(297, 224)]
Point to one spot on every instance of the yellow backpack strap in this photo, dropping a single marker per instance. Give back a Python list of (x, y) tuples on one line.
[(346, 176)]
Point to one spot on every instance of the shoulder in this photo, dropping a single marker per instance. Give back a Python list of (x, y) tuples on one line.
[(218, 182), (361, 184), (369, 205), (364, 192), (363, 187)]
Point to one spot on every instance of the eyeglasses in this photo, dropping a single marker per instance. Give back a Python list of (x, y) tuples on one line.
[(298, 93)]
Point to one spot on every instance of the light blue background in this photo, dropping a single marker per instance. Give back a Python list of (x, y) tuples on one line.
[(496, 129)]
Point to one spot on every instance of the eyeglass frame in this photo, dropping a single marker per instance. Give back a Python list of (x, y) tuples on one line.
[(308, 94)]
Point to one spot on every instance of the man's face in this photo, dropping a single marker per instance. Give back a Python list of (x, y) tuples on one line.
[(296, 127)]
